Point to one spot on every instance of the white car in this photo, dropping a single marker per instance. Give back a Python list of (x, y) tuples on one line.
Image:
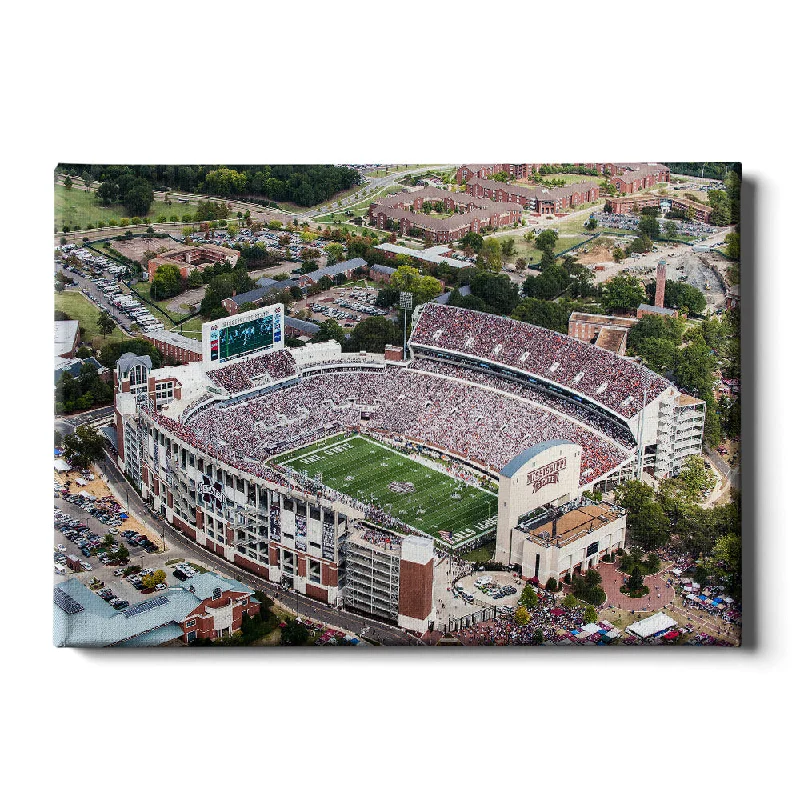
[(61, 548)]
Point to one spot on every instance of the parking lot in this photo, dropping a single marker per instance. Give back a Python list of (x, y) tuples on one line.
[(347, 306), (83, 549), (98, 279)]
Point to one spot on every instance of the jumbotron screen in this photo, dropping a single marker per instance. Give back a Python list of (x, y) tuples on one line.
[(243, 334)]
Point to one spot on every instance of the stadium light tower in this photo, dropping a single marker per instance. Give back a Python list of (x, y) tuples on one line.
[(406, 299)]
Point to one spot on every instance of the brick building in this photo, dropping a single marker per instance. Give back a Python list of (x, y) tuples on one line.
[(537, 199), (175, 347), (634, 203), (401, 211), (467, 172), (189, 259), (602, 330)]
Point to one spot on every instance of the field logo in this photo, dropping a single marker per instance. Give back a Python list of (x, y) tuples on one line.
[(543, 476)]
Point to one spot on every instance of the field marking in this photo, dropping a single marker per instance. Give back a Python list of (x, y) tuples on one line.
[(473, 528)]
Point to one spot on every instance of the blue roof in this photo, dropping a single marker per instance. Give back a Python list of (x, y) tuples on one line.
[(154, 638), (301, 325), (337, 269), (519, 461), (443, 298), (204, 584), (97, 624)]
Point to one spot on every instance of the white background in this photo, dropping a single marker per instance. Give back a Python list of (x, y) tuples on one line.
[(411, 82)]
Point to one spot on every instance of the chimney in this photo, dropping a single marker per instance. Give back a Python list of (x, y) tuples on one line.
[(661, 282), (555, 524)]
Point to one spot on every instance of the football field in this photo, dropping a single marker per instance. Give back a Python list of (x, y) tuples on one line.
[(416, 494)]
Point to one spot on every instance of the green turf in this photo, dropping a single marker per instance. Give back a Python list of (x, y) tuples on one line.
[(78, 307), (363, 469), (78, 207)]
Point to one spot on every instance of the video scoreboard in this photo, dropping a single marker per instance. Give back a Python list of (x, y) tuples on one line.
[(243, 334)]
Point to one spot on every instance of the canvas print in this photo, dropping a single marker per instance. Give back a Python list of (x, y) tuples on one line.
[(366, 405)]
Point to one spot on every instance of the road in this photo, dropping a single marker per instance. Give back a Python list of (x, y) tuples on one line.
[(303, 606), (373, 187), (722, 466), (68, 424)]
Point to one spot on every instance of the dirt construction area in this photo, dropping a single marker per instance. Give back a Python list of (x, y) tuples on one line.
[(699, 269)]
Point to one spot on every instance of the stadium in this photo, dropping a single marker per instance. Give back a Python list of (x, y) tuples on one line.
[(338, 474)]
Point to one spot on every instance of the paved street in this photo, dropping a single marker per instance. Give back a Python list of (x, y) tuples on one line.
[(303, 606)]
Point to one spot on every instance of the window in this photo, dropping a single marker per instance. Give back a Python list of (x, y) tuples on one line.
[(190, 623)]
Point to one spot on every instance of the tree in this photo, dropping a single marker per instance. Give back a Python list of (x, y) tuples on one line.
[(551, 585), (683, 296), (670, 229), (529, 598), (335, 253), (589, 615), (373, 334), (83, 447), (622, 293), (68, 182), (408, 279), (570, 601), (497, 291), (635, 581), (521, 616), (167, 282), (618, 254), (591, 223), (294, 634), (547, 239), (490, 254), (472, 240), (106, 323), (329, 329), (649, 226), (507, 248)]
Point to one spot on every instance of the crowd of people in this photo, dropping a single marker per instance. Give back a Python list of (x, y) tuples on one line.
[(548, 617), (595, 373), (481, 425), (252, 372), (581, 413)]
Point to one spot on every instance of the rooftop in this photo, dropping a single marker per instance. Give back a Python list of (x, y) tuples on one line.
[(575, 523), (176, 339), (64, 334)]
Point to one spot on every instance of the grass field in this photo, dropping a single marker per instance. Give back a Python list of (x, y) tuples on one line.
[(363, 469), (78, 207), (78, 307)]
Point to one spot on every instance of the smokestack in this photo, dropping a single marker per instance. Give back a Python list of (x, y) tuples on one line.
[(661, 282)]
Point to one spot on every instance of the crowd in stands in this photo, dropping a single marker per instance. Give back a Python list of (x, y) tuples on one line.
[(480, 425), (576, 411), (246, 374), (597, 374)]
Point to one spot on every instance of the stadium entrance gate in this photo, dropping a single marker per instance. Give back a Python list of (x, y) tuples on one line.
[(484, 615)]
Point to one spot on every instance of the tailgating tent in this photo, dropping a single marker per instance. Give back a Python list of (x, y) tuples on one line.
[(61, 465), (651, 626), (57, 452), (670, 635), (591, 628)]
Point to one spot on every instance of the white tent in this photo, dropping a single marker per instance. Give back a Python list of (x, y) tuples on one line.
[(650, 626), (61, 465)]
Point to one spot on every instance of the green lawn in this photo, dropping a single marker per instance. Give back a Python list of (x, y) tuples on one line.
[(78, 207), (78, 307), (363, 469)]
